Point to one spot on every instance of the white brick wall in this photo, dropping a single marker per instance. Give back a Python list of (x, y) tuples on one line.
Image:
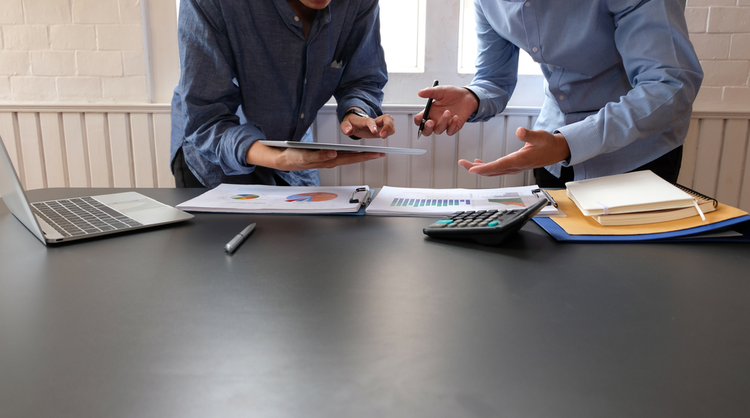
[(720, 31), (72, 51)]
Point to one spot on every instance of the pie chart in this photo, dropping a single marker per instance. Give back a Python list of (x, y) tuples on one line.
[(245, 196), (312, 197)]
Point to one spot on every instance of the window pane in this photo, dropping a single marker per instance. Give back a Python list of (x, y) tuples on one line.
[(402, 28), (468, 45)]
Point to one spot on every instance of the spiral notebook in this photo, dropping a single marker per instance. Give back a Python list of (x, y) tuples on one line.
[(705, 203)]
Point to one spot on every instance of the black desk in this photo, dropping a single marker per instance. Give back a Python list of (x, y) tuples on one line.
[(362, 316)]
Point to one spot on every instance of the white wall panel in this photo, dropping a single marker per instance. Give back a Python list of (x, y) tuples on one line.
[(128, 146), (52, 149)]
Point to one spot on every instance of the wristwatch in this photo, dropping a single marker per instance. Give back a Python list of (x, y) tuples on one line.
[(358, 113)]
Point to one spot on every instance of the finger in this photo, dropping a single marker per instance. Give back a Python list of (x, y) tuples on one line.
[(346, 127), (465, 164), (454, 126), (428, 92), (386, 126), (442, 124), (418, 118), (429, 126)]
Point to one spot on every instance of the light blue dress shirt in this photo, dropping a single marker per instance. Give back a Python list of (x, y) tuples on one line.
[(621, 75), (249, 73)]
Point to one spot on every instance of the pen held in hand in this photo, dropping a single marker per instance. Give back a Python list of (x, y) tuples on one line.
[(426, 112), (239, 238)]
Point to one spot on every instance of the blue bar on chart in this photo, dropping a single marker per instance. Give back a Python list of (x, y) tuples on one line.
[(400, 201)]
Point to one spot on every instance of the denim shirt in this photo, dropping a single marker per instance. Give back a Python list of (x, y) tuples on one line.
[(621, 76), (249, 73)]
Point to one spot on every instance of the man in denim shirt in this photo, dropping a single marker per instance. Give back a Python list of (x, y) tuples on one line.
[(262, 69), (621, 80)]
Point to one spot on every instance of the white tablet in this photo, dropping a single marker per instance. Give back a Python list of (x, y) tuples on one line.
[(342, 147)]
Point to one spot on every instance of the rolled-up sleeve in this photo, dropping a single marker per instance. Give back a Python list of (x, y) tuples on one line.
[(210, 98)]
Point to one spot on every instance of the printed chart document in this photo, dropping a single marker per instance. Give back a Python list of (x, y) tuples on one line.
[(407, 201), (244, 198)]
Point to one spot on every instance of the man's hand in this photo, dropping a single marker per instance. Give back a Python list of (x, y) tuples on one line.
[(293, 159), (380, 127), (541, 149), (451, 108)]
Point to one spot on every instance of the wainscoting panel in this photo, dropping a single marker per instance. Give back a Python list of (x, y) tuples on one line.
[(90, 146), (128, 146)]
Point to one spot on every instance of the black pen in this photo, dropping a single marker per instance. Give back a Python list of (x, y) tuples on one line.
[(237, 240), (426, 112)]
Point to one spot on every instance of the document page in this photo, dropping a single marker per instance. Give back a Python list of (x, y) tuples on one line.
[(434, 202), (239, 198)]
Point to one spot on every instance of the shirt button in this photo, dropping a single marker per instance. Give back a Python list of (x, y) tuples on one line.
[(296, 18), (561, 97), (534, 49), (302, 116), (527, 4)]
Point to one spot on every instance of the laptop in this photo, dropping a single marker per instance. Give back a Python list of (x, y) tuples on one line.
[(77, 218)]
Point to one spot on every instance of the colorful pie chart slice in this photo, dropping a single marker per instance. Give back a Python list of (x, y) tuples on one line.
[(312, 197), (245, 196)]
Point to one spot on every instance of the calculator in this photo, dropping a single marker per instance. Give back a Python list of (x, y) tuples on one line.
[(487, 227)]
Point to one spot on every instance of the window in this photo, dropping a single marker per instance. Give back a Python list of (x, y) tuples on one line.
[(468, 45), (402, 34), (424, 43)]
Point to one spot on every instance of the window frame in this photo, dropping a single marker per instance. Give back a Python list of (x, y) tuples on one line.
[(441, 52)]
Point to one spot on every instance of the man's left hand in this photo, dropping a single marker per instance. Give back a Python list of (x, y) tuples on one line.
[(380, 127), (541, 149)]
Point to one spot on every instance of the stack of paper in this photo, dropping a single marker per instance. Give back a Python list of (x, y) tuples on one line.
[(636, 198)]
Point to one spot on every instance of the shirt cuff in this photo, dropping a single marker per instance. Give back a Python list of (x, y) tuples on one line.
[(584, 141)]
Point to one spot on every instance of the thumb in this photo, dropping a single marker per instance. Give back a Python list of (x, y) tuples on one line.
[(346, 127), (524, 134)]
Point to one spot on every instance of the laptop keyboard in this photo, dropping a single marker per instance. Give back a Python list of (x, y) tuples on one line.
[(82, 216)]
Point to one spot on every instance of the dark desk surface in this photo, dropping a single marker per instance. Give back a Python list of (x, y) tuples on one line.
[(363, 316)]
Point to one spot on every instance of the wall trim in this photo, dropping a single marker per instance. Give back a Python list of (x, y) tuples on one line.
[(699, 112)]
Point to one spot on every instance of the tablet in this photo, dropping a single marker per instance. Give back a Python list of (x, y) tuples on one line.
[(342, 147)]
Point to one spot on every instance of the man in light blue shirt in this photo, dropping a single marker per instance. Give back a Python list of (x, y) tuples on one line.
[(621, 77), (262, 69)]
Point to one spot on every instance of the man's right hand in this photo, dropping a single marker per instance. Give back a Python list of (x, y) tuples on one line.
[(451, 108), (293, 159)]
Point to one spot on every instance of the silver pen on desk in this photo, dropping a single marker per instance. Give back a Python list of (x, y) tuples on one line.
[(237, 240)]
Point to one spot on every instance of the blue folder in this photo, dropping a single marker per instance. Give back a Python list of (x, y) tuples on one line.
[(740, 224)]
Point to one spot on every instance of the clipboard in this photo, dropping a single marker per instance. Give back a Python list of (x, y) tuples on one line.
[(263, 199)]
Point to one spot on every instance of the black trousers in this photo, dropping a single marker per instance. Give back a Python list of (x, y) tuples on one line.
[(667, 167), (183, 177)]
